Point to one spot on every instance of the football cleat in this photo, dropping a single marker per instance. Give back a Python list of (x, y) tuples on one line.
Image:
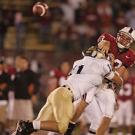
[(24, 128)]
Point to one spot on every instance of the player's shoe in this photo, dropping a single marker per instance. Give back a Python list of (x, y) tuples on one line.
[(24, 128)]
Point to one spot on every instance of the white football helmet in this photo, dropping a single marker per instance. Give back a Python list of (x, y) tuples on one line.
[(125, 37)]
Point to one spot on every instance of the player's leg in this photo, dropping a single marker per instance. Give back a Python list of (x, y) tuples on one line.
[(46, 113), (106, 100), (63, 110), (100, 111), (46, 119), (103, 126), (56, 113), (93, 114), (113, 125)]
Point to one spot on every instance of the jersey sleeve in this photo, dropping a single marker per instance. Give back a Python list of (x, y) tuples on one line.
[(107, 37), (75, 63), (130, 60), (74, 66)]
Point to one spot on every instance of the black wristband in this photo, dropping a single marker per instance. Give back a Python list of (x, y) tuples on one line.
[(70, 129)]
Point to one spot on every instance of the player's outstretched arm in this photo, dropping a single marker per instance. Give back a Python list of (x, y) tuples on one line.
[(79, 110), (123, 72), (116, 79), (117, 82)]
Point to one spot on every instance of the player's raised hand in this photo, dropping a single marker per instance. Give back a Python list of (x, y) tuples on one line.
[(104, 46)]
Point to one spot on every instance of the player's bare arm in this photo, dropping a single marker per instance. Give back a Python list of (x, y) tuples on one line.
[(115, 78), (118, 81), (123, 72), (80, 107), (79, 110)]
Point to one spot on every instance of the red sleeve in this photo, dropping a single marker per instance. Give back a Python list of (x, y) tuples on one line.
[(107, 36), (113, 45), (131, 62), (127, 58)]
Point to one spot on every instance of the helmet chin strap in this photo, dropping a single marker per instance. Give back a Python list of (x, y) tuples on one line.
[(120, 46)]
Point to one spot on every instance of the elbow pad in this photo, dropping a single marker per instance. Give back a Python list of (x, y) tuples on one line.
[(110, 75)]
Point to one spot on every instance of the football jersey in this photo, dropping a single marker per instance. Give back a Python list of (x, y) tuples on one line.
[(86, 74), (127, 57)]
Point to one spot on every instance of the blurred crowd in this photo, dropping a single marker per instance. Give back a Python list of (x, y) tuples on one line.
[(24, 87), (70, 25)]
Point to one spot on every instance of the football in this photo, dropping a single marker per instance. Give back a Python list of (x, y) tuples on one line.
[(40, 9)]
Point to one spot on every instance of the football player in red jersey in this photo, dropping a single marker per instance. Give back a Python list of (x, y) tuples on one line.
[(125, 57), (119, 46)]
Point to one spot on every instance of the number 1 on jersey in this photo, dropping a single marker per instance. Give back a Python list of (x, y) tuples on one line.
[(80, 69)]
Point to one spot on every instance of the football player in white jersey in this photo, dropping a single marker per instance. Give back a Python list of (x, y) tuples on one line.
[(101, 105), (87, 74), (100, 110)]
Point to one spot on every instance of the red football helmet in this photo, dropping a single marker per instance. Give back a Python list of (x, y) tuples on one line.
[(125, 37)]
